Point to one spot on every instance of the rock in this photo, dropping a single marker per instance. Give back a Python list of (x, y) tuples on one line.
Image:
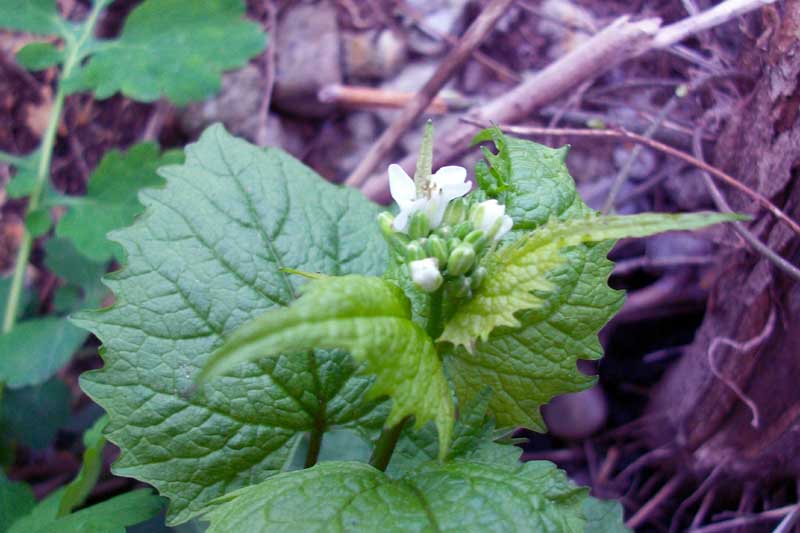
[(236, 106), (373, 54), (577, 415), (307, 58)]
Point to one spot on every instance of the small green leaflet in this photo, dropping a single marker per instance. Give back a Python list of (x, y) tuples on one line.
[(521, 267), (16, 500), (371, 319), (206, 257), (456, 496), (111, 200), (172, 48), (76, 492), (39, 56)]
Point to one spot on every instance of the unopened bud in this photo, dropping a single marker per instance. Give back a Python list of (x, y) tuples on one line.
[(445, 232), (419, 226), (459, 288), (461, 260), (456, 212), (491, 218), (461, 230), (437, 248), (478, 275), (414, 251), (397, 241), (425, 274), (477, 238)]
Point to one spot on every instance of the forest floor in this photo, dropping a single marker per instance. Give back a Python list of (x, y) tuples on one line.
[(336, 74)]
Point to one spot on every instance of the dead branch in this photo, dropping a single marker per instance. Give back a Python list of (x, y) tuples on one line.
[(471, 39), (616, 43)]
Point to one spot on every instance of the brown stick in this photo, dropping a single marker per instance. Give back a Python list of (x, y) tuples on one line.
[(772, 514), (618, 42), (651, 506), (471, 39), (371, 97)]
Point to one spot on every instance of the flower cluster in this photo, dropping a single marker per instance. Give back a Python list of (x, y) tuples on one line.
[(441, 235)]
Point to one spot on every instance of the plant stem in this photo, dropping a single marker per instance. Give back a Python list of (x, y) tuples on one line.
[(384, 448), (314, 446), (73, 50), (387, 441)]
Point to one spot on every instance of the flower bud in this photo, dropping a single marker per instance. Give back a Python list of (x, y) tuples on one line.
[(445, 232), (397, 241), (478, 275), (461, 230), (419, 226), (459, 288), (414, 251), (456, 212), (437, 248), (425, 274), (461, 260), (491, 218), (477, 239)]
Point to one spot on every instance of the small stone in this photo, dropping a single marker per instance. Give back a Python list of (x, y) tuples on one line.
[(373, 54), (308, 58), (577, 415)]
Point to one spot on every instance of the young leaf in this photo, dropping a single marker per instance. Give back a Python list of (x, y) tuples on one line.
[(36, 349), (110, 516), (32, 415), (528, 365), (455, 496), (111, 200), (205, 258), (371, 319), (39, 56), (521, 268), (33, 16), (172, 48), (76, 492)]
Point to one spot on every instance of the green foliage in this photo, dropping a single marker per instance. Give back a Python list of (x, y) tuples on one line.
[(16, 500), (336, 313), (453, 496), (205, 258), (172, 48), (32, 415), (34, 16), (111, 199), (110, 516), (76, 492), (39, 56), (603, 516)]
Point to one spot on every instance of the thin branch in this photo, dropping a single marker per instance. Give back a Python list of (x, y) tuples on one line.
[(772, 514), (652, 506), (471, 39), (708, 484), (740, 228), (789, 521), (616, 43), (665, 148)]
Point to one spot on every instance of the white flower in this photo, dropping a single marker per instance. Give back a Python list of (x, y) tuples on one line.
[(425, 273), (447, 184), (491, 217)]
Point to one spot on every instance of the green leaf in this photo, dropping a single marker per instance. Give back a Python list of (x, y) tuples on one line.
[(527, 365), (456, 496), (336, 313), (24, 181), (76, 492), (33, 16), (80, 274), (205, 258), (172, 48), (603, 516), (39, 56), (16, 500), (521, 268), (111, 200), (110, 516), (34, 350), (32, 415), (5, 287)]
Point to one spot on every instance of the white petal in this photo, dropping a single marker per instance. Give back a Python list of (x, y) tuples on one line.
[(450, 175), (436, 208), (508, 223), (401, 220), (401, 186), (456, 190), (425, 273)]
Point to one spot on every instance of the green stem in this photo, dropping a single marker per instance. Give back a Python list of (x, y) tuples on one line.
[(387, 441), (384, 448), (73, 50)]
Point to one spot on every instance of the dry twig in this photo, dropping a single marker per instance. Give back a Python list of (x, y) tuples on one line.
[(471, 39), (766, 516), (643, 514)]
